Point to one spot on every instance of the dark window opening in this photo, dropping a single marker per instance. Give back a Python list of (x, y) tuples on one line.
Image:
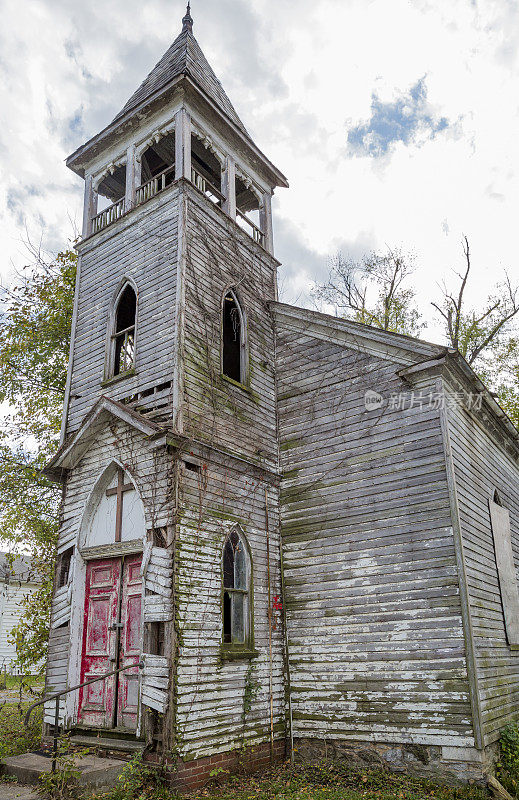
[(64, 562), (159, 159), (233, 335), (112, 188), (206, 171), (192, 467), (236, 599), (248, 211), (227, 618), (124, 334)]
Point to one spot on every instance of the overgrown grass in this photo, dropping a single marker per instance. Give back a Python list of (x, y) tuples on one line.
[(15, 738), (333, 781), (328, 781)]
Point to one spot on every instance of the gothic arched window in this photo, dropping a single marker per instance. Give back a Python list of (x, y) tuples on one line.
[(237, 592), (123, 332), (233, 339)]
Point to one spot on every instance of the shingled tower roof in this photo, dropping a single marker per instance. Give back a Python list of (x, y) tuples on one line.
[(184, 57)]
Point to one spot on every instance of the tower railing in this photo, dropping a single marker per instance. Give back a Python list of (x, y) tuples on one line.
[(250, 228), (108, 215), (206, 187), (155, 185), (160, 182)]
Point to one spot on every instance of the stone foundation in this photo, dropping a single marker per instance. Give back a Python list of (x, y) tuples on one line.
[(448, 764)]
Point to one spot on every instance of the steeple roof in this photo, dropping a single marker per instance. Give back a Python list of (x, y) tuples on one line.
[(184, 57)]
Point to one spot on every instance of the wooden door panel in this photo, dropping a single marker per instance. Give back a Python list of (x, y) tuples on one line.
[(130, 642), (97, 702)]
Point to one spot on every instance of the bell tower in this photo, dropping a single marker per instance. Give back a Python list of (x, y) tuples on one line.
[(169, 453), (176, 191)]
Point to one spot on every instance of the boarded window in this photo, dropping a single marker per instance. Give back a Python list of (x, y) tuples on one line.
[(236, 592), (123, 337), (233, 345), (500, 519)]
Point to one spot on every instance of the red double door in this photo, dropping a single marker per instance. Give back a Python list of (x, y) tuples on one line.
[(111, 639)]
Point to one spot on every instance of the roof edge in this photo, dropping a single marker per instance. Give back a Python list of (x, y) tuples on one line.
[(65, 454), (304, 317), (115, 125)]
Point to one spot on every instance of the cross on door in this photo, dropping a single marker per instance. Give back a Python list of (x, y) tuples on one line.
[(119, 491)]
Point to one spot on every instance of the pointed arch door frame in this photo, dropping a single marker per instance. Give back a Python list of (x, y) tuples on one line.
[(84, 556)]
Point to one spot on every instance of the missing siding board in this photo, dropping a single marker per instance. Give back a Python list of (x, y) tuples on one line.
[(157, 636), (191, 467), (159, 536), (500, 519), (63, 568), (147, 393)]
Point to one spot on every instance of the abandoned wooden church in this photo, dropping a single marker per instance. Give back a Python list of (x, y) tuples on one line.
[(278, 528)]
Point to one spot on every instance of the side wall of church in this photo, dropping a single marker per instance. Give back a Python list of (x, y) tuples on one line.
[(142, 246), (224, 705), (151, 470), (219, 256), (482, 465), (374, 616)]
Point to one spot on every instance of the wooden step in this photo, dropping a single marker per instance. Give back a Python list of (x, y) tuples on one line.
[(130, 746)]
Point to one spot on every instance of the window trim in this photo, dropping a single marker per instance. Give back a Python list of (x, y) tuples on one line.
[(229, 650), (505, 567), (244, 341), (111, 335)]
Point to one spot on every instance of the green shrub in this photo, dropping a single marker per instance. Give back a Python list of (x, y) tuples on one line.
[(140, 781), (15, 738), (508, 764)]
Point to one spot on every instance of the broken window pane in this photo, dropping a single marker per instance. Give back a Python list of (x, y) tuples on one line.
[(236, 585), (228, 566), (124, 334), (240, 568), (227, 618), (238, 618)]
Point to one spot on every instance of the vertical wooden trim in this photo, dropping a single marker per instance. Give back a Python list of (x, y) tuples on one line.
[(182, 145), (229, 187), (266, 221), (66, 399), (88, 206), (178, 378), (131, 184), (468, 632)]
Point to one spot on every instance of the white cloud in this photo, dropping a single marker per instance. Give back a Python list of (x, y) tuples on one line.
[(300, 75)]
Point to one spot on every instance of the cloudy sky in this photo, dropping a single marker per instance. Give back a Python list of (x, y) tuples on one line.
[(395, 121)]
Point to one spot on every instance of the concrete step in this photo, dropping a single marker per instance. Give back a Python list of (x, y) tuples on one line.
[(109, 744), (94, 771)]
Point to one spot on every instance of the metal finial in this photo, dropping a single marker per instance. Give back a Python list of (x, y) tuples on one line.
[(187, 22)]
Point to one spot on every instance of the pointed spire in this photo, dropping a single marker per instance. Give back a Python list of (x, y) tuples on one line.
[(187, 22)]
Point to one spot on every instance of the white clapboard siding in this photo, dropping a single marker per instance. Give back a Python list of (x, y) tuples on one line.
[(374, 615), (143, 247), (483, 464), (11, 610), (61, 606), (158, 577), (155, 682)]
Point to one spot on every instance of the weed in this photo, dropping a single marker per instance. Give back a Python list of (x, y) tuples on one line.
[(508, 765)]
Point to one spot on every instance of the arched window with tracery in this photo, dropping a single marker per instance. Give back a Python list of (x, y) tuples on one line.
[(234, 356), (122, 341), (237, 592)]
